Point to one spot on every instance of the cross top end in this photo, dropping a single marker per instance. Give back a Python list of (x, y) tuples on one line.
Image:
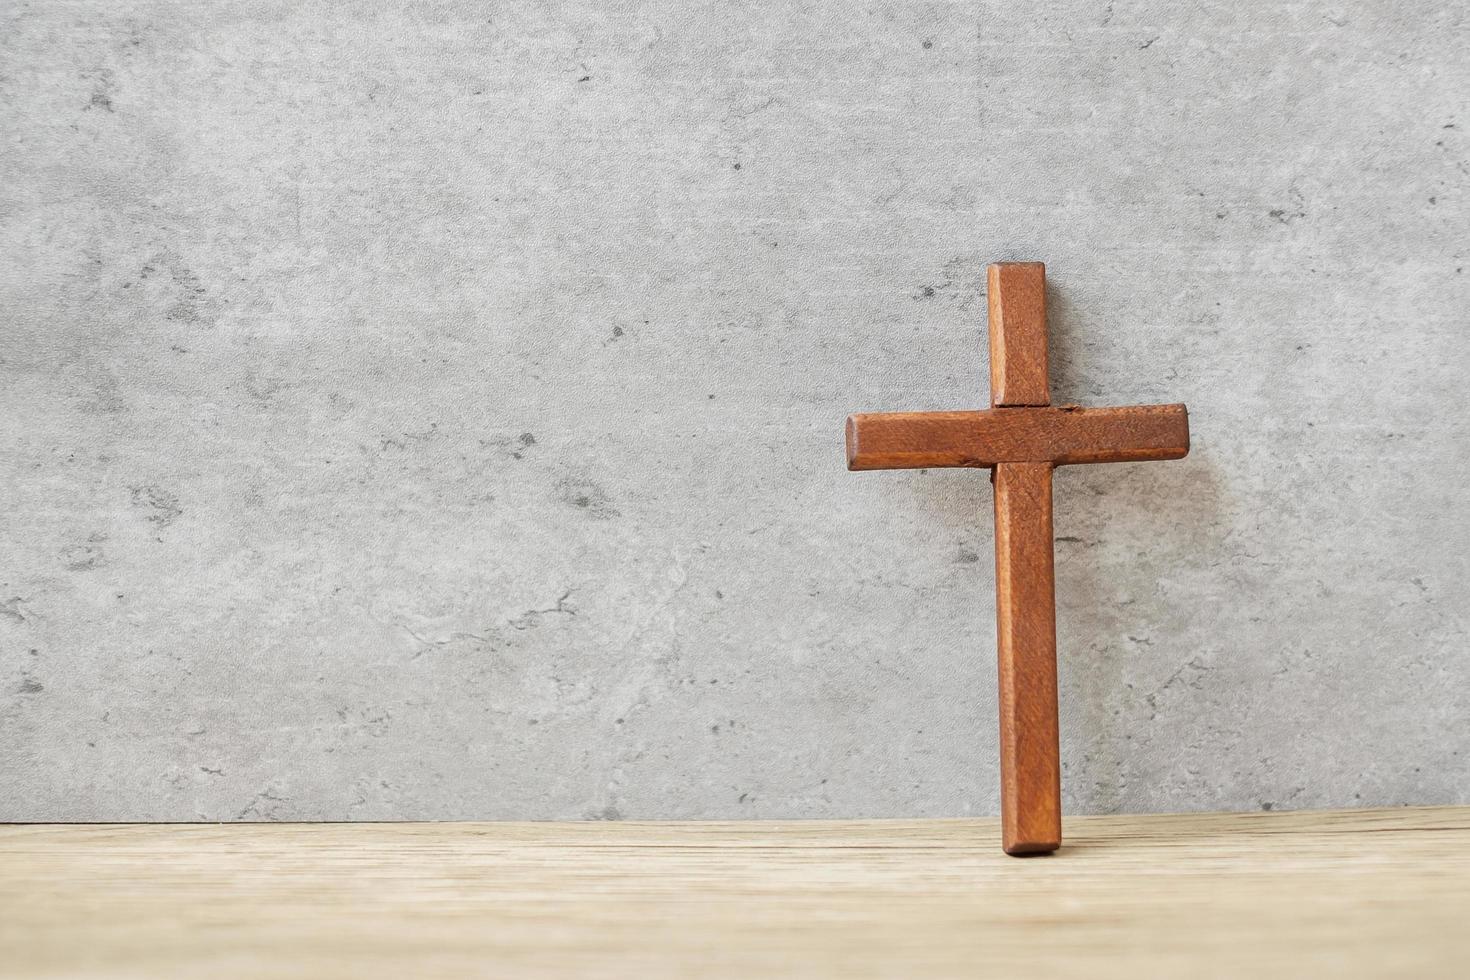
[(1022, 437)]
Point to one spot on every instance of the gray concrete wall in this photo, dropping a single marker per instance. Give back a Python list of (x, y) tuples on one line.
[(429, 410)]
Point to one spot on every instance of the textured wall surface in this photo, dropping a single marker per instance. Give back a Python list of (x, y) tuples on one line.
[(434, 410)]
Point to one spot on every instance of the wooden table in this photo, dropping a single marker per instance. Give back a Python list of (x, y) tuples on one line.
[(1364, 893)]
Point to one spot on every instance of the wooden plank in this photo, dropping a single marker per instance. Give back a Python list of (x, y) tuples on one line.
[(1016, 296), (1026, 649), (1063, 435), (1345, 895)]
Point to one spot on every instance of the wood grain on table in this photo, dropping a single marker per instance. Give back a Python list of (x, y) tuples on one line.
[(1345, 894)]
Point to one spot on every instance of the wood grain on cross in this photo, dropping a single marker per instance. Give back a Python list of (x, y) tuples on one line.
[(1022, 438)]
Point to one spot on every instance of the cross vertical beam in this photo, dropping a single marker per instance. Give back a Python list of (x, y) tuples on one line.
[(1025, 576)]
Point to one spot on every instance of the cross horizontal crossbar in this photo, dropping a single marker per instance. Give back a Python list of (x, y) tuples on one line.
[(917, 440)]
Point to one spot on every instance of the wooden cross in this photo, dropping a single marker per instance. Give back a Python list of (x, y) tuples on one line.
[(1021, 438)]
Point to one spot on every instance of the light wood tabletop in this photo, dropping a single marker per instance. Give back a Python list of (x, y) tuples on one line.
[(1342, 894)]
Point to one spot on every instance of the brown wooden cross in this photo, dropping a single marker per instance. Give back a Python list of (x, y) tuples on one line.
[(1021, 438)]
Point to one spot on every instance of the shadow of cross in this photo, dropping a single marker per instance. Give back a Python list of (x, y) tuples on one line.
[(1022, 437)]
